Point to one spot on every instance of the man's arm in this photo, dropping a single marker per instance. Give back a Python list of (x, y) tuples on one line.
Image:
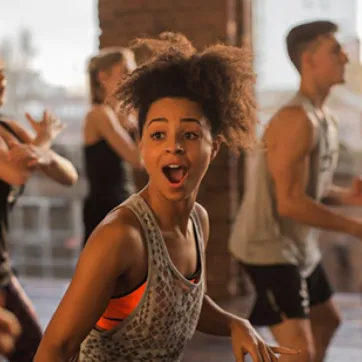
[(289, 141)]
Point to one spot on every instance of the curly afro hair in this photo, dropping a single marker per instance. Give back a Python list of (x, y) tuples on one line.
[(219, 78)]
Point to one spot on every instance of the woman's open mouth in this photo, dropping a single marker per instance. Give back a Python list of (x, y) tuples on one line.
[(175, 174)]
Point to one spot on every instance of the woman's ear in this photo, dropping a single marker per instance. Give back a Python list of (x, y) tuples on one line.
[(216, 144)]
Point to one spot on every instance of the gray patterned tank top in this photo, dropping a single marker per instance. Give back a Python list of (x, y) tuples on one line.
[(159, 328)]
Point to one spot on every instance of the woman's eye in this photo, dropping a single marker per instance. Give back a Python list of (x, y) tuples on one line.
[(191, 136), (158, 136)]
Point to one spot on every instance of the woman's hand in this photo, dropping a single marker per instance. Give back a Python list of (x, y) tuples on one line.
[(245, 339), (28, 155), (10, 329), (48, 126)]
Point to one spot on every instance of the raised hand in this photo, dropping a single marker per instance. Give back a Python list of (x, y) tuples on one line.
[(48, 125)]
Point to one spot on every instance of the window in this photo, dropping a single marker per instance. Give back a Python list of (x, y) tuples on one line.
[(324, 4), (308, 3)]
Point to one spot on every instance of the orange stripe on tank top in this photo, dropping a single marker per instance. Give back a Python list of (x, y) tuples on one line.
[(120, 308)]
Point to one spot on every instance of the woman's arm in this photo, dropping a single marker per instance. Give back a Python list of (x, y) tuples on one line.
[(107, 256), (10, 172), (59, 169), (109, 127), (50, 163), (215, 320)]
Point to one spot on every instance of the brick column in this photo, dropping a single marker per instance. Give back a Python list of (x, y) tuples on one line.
[(203, 22)]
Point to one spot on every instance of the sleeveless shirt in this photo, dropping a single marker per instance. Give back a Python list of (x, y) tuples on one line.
[(158, 329), (110, 181), (8, 196), (109, 176), (262, 237)]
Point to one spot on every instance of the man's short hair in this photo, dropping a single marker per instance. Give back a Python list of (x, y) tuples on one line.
[(300, 36)]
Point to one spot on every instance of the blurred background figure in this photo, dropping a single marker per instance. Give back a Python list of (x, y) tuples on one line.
[(10, 330), (109, 149), (21, 154), (288, 177)]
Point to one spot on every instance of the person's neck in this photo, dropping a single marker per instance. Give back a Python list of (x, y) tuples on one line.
[(111, 101), (170, 215), (316, 94)]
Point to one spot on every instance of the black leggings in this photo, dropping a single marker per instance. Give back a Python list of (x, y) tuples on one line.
[(19, 304)]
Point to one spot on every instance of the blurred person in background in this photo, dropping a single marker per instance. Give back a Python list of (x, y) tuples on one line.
[(21, 154), (10, 329), (109, 149), (288, 178)]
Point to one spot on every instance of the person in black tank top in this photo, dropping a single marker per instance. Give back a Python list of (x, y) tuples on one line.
[(20, 154), (109, 150)]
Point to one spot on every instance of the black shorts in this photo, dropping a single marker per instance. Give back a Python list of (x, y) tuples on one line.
[(283, 294)]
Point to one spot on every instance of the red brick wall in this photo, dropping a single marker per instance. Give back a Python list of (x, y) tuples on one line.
[(204, 22)]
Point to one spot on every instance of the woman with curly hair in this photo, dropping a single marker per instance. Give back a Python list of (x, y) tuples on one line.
[(138, 293)]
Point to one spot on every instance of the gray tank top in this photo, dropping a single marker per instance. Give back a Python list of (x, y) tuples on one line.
[(159, 328), (260, 236)]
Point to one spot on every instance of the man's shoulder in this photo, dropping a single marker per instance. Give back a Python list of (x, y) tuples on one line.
[(290, 125), (289, 114)]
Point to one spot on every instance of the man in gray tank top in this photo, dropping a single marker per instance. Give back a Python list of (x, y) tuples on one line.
[(275, 231)]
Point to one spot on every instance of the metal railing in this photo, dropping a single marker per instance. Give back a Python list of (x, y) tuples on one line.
[(44, 236)]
